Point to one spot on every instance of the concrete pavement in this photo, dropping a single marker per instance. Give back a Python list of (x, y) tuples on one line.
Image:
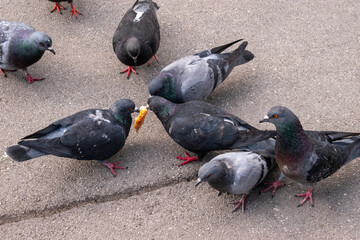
[(306, 57)]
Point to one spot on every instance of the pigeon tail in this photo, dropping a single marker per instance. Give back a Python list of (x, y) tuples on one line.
[(354, 152), (251, 140), (223, 47), (240, 56), (21, 153)]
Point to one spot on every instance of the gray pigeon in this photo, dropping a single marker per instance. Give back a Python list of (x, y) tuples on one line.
[(137, 38), (93, 134), (237, 172), (58, 7), (201, 127), (308, 156), (21, 46), (195, 77)]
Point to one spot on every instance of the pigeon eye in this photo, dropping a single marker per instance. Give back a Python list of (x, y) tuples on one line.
[(42, 44), (275, 116), (158, 90)]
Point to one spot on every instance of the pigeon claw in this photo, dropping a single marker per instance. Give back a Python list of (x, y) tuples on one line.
[(74, 11), (113, 166), (187, 159), (307, 195), (239, 203), (274, 185), (57, 7), (129, 70), (151, 59), (30, 79)]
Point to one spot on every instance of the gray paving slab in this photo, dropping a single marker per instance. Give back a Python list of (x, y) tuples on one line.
[(306, 57)]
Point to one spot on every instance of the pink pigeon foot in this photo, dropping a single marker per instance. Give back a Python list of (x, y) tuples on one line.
[(129, 70), (307, 195), (30, 79), (57, 7), (274, 186), (74, 11), (239, 203), (113, 166), (151, 59), (187, 159)]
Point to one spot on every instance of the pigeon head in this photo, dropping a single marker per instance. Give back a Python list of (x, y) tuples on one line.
[(162, 107), (164, 86), (122, 109), (42, 41), (133, 48), (281, 117), (211, 172)]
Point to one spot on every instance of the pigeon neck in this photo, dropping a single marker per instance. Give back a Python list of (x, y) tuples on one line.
[(124, 120), (291, 140), (170, 87)]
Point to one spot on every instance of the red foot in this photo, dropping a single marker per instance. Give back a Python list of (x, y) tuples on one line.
[(74, 11), (112, 166), (307, 195), (129, 70), (273, 185), (240, 202), (30, 79), (151, 59), (187, 159), (57, 7)]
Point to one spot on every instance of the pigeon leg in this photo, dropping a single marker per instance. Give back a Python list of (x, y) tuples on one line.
[(30, 79), (239, 203), (57, 7), (307, 195), (74, 11), (273, 185), (3, 72), (151, 59), (187, 159), (129, 70), (111, 166)]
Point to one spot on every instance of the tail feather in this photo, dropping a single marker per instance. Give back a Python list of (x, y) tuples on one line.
[(354, 151), (240, 56), (248, 138), (21, 153), (223, 47)]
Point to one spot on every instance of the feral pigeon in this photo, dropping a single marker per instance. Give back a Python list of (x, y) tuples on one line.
[(308, 156), (93, 134), (58, 7), (201, 127), (137, 38), (196, 76), (237, 172), (21, 46)]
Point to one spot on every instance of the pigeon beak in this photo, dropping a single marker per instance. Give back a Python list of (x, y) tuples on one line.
[(198, 182), (51, 50), (136, 109), (265, 119)]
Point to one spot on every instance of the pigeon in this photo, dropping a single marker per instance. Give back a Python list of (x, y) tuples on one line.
[(92, 134), (237, 172), (195, 77), (137, 38), (58, 7), (201, 127), (21, 46), (308, 156)]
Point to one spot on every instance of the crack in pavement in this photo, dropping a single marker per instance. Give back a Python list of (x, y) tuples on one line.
[(46, 212)]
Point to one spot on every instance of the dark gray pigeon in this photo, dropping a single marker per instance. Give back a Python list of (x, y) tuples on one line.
[(308, 156), (21, 46), (93, 134), (195, 77), (58, 7), (137, 38), (237, 172), (201, 127)]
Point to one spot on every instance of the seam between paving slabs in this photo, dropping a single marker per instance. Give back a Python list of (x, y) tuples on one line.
[(12, 218)]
